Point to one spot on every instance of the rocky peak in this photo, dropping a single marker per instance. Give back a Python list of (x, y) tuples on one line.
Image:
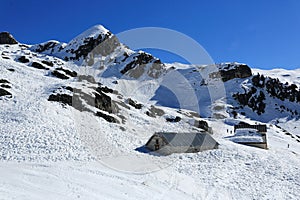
[(7, 38), (87, 41)]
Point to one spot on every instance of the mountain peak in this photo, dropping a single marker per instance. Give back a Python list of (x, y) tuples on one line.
[(7, 38), (92, 32)]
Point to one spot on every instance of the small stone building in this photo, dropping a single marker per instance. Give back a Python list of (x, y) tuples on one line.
[(166, 143)]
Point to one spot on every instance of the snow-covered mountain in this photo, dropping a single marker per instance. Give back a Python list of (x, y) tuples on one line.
[(75, 115)]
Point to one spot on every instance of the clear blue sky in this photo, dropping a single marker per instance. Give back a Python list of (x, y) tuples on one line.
[(261, 33)]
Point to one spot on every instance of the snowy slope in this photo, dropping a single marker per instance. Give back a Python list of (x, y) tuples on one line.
[(291, 76), (55, 150)]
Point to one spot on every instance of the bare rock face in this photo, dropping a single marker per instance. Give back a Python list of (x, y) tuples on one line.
[(232, 71), (228, 71), (138, 66), (7, 38)]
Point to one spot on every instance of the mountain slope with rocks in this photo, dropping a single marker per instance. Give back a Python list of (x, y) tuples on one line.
[(75, 118)]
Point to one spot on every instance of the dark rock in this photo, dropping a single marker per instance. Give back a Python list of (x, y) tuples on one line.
[(201, 124), (49, 63), (59, 75), (171, 119), (69, 88), (123, 104), (23, 46), (4, 81), (23, 59), (235, 71), (153, 112), (5, 57), (38, 66), (104, 102), (104, 89), (140, 59), (7, 38), (68, 72), (98, 100), (10, 69), (107, 117), (135, 104), (62, 98), (4, 92), (5, 86)]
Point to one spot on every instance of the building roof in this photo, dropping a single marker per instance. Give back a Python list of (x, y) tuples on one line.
[(187, 139), (260, 128), (247, 135)]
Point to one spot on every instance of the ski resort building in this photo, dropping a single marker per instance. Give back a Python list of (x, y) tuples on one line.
[(166, 143), (250, 135)]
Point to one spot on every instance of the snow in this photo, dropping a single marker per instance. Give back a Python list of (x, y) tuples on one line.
[(50, 151), (290, 76)]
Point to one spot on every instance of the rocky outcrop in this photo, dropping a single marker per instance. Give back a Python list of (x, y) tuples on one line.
[(107, 117), (134, 104), (104, 102), (230, 71), (277, 89), (98, 100), (93, 47), (4, 93), (48, 47), (59, 75), (136, 65), (38, 66), (62, 73), (173, 119), (7, 38), (68, 72), (23, 59), (49, 63), (4, 84), (154, 111), (88, 45), (201, 124), (62, 98)]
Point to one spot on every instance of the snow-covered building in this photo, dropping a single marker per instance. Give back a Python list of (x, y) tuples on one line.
[(250, 135), (166, 143)]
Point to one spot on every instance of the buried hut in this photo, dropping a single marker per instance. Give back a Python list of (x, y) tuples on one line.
[(166, 143)]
